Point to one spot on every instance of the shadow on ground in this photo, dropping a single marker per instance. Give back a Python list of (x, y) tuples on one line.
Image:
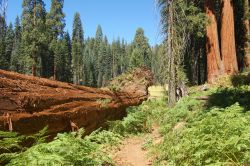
[(241, 79), (226, 97)]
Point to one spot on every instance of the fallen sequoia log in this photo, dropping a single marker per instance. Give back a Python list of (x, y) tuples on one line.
[(31, 103)]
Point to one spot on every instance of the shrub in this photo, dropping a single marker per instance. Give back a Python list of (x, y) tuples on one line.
[(66, 149), (211, 135)]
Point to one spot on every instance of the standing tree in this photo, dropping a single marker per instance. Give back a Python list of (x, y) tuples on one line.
[(141, 55), (3, 61), (15, 55), (55, 23), (214, 63), (180, 19), (228, 50), (33, 35), (9, 41), (77, 49), (68, 58)]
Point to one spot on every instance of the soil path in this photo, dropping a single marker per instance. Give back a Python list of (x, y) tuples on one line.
[(131, 152)]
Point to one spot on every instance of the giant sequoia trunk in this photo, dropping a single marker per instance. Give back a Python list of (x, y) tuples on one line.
[(33, 103), (228, 49), (214, 63)]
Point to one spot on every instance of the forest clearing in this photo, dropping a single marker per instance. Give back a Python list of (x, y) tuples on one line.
[(125, 83)]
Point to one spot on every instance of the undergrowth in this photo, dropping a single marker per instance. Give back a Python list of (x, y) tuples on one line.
[(11, 144), (212, 134), (196, 132), (92, 150)]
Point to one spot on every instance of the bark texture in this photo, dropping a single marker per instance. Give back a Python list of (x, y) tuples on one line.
[(214, 63), (33, 103), (228, 48)]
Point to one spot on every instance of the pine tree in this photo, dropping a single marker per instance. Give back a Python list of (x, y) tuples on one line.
[(77, 49), (55, 24), (3, 62), (15, 55), (9, 41), (68, 58), (98, 56), (141, 55), (33, 35)]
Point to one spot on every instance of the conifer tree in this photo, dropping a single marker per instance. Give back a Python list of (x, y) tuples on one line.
[(15, 55), (9, 41), (141, 55), (3, 62), (68, 58), (77, 49), (55, 24), (33, 35)]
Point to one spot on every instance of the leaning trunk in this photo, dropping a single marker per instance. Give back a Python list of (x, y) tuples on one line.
[(214, 63), (228, 49)]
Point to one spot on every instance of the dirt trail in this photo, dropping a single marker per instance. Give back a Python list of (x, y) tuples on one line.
[(131, 152)]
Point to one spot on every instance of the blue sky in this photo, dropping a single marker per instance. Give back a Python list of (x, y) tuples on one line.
[(118, 18)]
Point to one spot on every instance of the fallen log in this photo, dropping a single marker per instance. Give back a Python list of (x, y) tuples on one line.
[(33, 103)]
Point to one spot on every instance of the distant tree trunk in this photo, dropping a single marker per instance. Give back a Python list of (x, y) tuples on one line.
[(247, 33), (34, 66), (214, 62), (34, 52), (171, 62), (55, 71), (228, 48)]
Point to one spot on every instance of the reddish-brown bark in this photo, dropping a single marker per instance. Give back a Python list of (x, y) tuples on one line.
[(32, 103), (214, 62), (228, 48)]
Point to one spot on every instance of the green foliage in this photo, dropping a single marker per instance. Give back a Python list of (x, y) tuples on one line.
[(12, 143), (208, 135), (136, 122), (103, 102), (77, 49), (241, 79), (141, 54), (105, 137), (225, 97), (69, 149), (34, 31)]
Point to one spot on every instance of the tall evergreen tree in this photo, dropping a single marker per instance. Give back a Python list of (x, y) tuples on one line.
[(97, 56), (15, 55), (77, 49), (55, 24), (141, 55), (3, 62), (9, 41), (34, 29), (68, 58)]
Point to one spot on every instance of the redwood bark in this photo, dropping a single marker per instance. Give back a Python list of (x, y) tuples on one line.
[(33, 103), (228, 48), (214, 62)]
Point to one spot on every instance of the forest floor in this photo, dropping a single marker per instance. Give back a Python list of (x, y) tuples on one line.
[(132, 151)]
